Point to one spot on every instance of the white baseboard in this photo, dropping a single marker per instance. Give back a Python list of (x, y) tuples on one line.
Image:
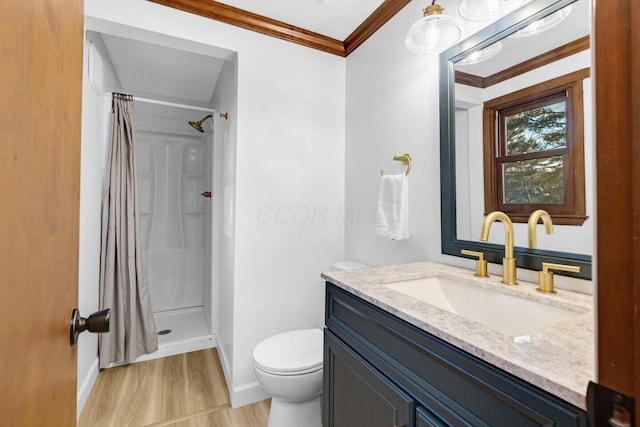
[(84, 390), (226, 365), (242, 395), (246, 394)]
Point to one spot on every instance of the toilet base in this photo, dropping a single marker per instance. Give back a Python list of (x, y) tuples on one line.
[(296, 414)]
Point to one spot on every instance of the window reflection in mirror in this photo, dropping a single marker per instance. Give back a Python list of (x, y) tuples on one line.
[(533, 151)]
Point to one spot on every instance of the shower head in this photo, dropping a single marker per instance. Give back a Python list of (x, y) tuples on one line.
[(198, 125)]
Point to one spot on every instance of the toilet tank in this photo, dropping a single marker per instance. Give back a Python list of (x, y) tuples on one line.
[(349, 265)]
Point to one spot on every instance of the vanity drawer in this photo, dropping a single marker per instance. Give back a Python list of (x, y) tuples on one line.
[(450, 382)]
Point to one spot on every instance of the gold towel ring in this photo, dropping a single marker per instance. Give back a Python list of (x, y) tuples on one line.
[(405, 159)]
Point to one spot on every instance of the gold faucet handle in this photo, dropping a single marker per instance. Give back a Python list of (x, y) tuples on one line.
[(481, 263), (545, 277)]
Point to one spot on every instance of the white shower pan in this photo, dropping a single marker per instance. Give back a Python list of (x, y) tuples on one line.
[(173, 170)]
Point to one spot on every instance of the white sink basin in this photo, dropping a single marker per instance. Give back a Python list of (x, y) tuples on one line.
[(504, 313)]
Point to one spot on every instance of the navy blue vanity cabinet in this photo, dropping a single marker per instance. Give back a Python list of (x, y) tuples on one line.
[(380, 370), (362, 396)]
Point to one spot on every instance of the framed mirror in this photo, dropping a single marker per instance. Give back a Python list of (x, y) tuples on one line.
[(503, 62)]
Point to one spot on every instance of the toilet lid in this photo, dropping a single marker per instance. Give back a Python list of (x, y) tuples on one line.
[(294, 351)]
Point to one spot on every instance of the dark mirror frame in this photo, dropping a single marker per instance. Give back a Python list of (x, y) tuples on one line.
[(526, 258)]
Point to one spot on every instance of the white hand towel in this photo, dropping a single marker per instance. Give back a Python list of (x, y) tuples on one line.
[(392, 210)]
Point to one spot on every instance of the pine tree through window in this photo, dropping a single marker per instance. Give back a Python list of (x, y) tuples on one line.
[(533, 149)]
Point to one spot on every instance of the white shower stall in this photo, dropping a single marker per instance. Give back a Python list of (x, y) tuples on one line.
[(187, 247), (174, 163)]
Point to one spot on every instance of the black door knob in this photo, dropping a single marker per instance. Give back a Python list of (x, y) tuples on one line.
[(97, 322)]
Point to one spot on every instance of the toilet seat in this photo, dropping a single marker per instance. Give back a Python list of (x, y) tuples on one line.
[(290, 353)]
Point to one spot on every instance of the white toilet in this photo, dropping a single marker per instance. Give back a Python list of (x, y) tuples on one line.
[(288, 366)]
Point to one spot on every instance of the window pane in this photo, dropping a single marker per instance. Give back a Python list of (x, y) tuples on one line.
[(533, 181), (537, 129)]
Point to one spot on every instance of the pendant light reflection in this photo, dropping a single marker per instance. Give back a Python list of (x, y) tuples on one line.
[(432, 33), (543, 24), (481, 55), (482, 10)]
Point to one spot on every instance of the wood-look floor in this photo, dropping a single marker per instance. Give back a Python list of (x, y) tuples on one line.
[(187, 390)]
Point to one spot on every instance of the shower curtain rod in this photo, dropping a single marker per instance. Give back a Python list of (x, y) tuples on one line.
[(173, 104)]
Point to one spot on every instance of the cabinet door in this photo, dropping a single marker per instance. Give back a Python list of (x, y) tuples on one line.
[(357, 395)]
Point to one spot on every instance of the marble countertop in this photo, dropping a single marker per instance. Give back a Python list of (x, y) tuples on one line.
[(558, 359)]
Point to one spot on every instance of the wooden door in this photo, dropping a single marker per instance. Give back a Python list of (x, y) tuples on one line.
[(617, 85), (40, 109)]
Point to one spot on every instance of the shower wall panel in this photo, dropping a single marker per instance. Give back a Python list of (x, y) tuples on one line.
[(171, 176)]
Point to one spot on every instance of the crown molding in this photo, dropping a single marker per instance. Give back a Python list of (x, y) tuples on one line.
[(387, 10), (556, 54), (270, 27)]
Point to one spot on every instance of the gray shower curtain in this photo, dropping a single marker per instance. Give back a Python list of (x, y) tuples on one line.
[(123, 282)]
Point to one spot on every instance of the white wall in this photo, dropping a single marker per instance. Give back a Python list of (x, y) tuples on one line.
[(393, 108), (289, 180), (289, 193), (94, 151), (224, 189)]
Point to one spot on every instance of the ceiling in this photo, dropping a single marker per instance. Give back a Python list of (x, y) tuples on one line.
[(517, 50), (160, 72)]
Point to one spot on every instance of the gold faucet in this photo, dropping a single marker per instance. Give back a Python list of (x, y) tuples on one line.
[(481, 263), (545, 277), (508, 262), (533, 221)]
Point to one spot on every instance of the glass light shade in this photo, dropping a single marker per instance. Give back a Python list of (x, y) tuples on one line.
[(482, 10), (432, 34), (481, 55), (543, 24)]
